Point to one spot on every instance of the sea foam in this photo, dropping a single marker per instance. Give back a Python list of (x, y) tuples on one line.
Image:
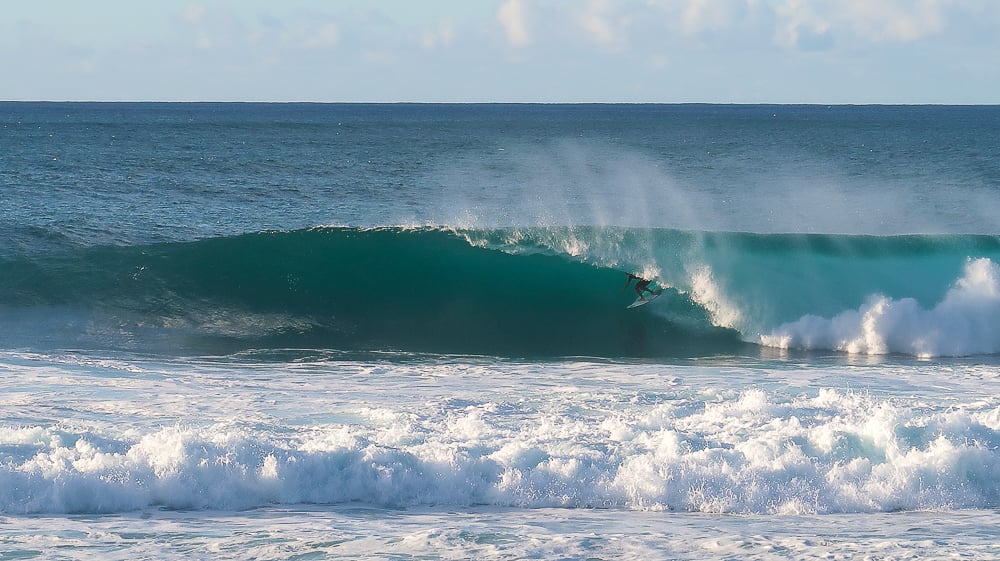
[(749, 451), (965, 322)]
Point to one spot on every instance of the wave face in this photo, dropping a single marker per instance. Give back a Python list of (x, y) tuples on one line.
[(395, 289), (513, 292)]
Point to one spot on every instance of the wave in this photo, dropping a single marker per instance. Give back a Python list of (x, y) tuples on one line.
[(393, 289), (512, 292)]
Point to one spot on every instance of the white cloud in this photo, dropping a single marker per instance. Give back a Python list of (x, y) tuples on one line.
[(895, 21), (602, 26), (702, 15), (512, 17), (324, 36), (885, 21), (695, 16), (440, 37), (798, 21), (193, 13), (204, 42)]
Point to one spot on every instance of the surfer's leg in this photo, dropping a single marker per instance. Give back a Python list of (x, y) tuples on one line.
[(641, 287)]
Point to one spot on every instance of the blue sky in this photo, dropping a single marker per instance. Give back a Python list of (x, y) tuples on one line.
[(739, 51)]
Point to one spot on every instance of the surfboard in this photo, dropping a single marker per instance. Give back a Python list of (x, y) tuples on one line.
[(642, 302)]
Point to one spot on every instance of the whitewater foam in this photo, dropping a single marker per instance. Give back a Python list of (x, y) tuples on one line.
[(965, 322), (705, 290), (607, 439)]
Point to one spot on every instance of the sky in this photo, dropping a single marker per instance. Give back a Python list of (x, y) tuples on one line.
[(661, 51)]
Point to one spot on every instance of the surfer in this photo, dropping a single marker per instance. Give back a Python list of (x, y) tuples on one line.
[(641, 286)]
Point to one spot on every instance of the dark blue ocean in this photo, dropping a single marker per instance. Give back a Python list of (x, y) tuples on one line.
[(277, 331)]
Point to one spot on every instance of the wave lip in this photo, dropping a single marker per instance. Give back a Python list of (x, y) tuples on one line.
[(965, 322)]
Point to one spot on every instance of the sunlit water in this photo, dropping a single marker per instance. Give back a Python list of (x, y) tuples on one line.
[(820, 381)]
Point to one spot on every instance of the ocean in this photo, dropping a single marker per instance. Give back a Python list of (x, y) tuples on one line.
[(400, 331)]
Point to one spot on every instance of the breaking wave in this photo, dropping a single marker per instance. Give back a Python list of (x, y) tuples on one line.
[(512, 292)]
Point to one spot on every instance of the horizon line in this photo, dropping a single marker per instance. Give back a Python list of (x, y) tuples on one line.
[(309, 102)]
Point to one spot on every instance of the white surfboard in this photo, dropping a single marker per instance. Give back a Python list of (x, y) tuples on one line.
[(643, 301)]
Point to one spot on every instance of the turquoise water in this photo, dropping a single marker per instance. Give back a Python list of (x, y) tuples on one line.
[(543, 292), (394, 331)]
